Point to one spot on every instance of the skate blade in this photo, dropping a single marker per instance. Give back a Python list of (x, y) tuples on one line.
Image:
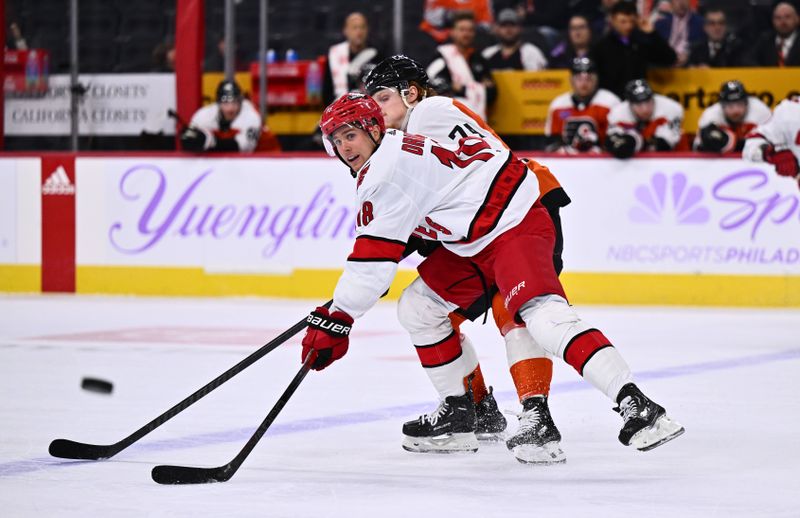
[(449, 443), (550, 453), (663, 431), (491, 436)]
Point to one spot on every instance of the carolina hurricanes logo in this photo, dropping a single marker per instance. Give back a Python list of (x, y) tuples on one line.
[(361, 176)]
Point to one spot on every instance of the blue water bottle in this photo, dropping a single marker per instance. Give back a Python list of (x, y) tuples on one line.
[(291, 56), (271, 56), (32, 71)]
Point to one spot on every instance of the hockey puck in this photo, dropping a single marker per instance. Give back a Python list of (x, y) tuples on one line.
[(97, 385)]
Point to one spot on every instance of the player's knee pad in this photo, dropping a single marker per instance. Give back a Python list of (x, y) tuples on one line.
[(560, 331), (424, 314)]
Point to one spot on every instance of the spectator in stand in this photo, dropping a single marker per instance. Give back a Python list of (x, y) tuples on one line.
[(577, 44), (577, 121), (14, 39), (720, 48), (724, 125), (231, 124), (626, 51), (349, 61), (601, 18), (512, 53), (681, 27), (780, 48), (645, 121), (439, 16), (461, 69), (216, 61), (164, 56)]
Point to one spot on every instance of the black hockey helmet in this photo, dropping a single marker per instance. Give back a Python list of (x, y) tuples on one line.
[(582, 65), (396, 72), (638, 91), (229, 91), (732, 92)]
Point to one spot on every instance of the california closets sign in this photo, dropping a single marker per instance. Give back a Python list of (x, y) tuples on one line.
[(114, 104)]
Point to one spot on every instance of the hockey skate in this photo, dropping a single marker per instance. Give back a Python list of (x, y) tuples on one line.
[(449, 429), (537, 439), (647, 425), (491, 424)]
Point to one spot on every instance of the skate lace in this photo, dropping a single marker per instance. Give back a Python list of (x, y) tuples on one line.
[(628, 409), (434, 416), (529, 420)]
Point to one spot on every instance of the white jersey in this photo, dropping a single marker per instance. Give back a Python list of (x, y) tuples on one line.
[(447, 121), (245, 128), (782, 131), (757, 113), (666, 123), (463, 198)]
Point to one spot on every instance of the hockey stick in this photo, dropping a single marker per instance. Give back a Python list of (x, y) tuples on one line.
[(67, 449), (165, 474)]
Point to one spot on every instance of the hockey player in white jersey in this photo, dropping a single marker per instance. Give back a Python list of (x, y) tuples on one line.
[(481, 204), (231, 124), (777, 141), (645, 121), (724, 125), (401, 88)]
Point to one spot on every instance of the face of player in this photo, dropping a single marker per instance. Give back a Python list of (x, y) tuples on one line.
[(354, 145), (735, 112), (230, 109), (715, 26), (394, 111), (644, 110), (584, 84), (463, 33), (623, 23), (509, 33)]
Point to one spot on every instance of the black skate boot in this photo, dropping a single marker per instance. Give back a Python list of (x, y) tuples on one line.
[(449, 429), (646, 422), (491, 422), (537, 439)]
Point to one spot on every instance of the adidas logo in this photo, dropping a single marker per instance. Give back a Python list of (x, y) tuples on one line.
[(58, 183)]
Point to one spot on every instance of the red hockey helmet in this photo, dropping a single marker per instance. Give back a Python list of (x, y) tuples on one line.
[(352, 109)]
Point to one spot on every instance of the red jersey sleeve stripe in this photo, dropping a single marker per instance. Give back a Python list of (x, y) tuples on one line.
[(370, 248)]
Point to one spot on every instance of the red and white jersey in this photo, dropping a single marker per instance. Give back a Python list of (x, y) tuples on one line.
[(757, 113), (448, 120), (464, 198), (782, 131), (245, 128), (666, 122), (564, 117)]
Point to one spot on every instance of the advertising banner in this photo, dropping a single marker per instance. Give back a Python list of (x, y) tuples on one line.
[(223, 215), (114, 104), (679, 216)]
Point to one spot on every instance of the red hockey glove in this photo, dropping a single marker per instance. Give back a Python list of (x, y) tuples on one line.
[(327, 337), (784, 161)]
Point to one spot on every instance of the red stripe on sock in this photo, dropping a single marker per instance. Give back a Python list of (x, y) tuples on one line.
[(583, 346), (440, 353)]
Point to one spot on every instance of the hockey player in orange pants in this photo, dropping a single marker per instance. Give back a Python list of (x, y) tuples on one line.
[(400, 87)]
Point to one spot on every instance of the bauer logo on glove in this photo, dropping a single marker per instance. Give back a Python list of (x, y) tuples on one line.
[(327, 337)]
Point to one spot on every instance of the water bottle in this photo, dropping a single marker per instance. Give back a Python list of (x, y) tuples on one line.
[(32, 71), (291, 56), (314, 83), (271, 56)]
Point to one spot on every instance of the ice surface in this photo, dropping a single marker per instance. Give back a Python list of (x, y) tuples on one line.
[(729, 375)]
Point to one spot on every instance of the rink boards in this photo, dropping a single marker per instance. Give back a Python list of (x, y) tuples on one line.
[(646, 231)]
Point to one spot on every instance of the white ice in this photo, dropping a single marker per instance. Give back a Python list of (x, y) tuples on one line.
[(729, 375)]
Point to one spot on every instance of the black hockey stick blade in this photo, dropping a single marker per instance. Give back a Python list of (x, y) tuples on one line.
[(165, 474), (67, 449)]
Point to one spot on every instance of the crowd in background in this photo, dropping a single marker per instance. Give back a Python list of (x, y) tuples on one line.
[(607, 45)]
